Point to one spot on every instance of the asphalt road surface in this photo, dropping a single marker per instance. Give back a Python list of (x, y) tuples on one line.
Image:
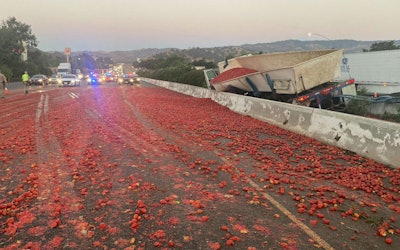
[(141, 167)]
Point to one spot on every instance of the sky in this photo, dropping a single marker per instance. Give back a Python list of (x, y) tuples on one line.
[(112, 25)]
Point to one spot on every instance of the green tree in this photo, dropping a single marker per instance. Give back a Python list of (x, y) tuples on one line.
[(194, 77), (387, 45), (15, 38), (205, 63), (172, 68), (38, 61), (21, 32), (8, 45), (171, 61)]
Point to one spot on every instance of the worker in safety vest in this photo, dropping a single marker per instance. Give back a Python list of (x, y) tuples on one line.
[(25, 81), (3, 87)]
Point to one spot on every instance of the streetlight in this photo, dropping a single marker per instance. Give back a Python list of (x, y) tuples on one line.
[(316, 34)]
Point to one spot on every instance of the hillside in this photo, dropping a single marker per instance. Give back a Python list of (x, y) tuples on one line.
[(123, 56)]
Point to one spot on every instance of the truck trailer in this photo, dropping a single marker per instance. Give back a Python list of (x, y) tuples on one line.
[(64, 69), (378, 72)]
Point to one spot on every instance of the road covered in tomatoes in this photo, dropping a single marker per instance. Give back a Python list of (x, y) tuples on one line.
[(141, 167)]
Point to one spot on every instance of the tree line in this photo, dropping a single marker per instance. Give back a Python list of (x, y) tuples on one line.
[(386, 45), (174, 68), (16, 38)]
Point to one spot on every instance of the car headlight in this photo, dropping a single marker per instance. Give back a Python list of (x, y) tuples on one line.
[(40, 80)]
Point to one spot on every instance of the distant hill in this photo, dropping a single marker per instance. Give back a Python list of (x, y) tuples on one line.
[(218, 54), (349, 46)]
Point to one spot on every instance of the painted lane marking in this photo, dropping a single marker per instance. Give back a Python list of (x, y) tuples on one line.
[(286, 212), (73, 95), (39, 109)]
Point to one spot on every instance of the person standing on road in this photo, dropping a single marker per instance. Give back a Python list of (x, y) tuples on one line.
[(3, 82), (25, 81)]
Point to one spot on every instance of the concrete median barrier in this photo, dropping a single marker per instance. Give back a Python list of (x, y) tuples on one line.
[(374, 139)]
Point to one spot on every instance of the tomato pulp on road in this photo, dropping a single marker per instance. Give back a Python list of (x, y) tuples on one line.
[(140, 167)]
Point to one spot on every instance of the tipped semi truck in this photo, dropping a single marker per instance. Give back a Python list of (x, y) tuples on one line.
[(305, 78)]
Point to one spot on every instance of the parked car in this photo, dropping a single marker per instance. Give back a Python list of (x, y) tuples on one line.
[(70, 80), (129, 79), (39, 80), (55, 79)]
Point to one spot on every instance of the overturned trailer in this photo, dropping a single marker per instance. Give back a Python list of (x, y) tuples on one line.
[(300, 77)]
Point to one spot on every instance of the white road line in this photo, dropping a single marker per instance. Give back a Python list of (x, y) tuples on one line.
[(39, 109), (43, 106), (73, 95), (286, 212), (46, 104)]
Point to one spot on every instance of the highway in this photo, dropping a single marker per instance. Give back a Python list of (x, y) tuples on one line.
[(142, 167)]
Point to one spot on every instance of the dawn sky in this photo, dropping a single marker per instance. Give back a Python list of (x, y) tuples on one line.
[(137, 24)]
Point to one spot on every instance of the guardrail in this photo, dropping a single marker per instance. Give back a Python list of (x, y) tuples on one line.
[(374, 139)]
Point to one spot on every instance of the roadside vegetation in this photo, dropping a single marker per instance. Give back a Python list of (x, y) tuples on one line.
[(174, 68), (386, 45), (364, 108), (359, 107)]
